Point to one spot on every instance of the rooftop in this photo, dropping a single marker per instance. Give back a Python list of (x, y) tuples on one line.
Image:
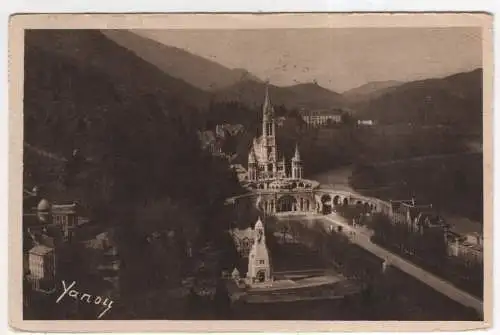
[(463, 226)]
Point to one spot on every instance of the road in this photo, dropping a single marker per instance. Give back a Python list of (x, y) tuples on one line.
[(362, 238)]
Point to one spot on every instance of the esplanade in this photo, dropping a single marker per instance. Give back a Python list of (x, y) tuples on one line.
[(307, 200)]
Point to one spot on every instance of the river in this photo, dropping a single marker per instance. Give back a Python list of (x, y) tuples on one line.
[(338, 179)]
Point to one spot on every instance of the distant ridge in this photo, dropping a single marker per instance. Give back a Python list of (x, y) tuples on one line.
[(195, 70), (454, 100), (369, 90), (223, 84), (307, 95)]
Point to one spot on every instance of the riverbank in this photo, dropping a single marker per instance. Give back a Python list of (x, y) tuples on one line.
[(452, 183)]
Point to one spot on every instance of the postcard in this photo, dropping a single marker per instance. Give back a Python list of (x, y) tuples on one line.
[(250, 172)]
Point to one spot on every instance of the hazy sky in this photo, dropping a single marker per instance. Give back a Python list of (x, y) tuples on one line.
[(338, 59)]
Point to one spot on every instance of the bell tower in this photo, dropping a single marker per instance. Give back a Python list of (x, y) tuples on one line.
[(259, 268), (269, 136)]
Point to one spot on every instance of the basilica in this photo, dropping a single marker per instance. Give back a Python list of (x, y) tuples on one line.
[(264, 161)]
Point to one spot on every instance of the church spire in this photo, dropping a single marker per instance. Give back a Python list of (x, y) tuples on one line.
[(296, 157), (267, 107)]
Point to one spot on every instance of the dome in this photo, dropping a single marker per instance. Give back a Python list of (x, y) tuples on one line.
[(43, 206)]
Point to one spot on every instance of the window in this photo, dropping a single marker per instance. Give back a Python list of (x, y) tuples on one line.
[(269, 129), (261, 262)]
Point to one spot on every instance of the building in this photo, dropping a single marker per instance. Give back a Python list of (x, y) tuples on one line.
[(259, 267), (465, 240), (280, 121), (42, 268), (210, 142), (322, 117), (470, 252), (65, 216), (367, 123), (407, 211), (264, 162), (231, 129), (462, 242)]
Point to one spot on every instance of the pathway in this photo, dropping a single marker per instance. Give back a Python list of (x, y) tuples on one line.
[(362, 238)]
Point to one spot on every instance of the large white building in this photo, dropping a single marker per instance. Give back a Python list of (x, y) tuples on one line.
[(321, 117), (264, 162)]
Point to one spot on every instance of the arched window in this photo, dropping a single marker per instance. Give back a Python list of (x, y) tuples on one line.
[(286, 203)]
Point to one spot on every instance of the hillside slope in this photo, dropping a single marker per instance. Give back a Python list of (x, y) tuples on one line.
[(197, 71), (369, 90), (455, 100), (93, 48), (84, 92), (307, 95)]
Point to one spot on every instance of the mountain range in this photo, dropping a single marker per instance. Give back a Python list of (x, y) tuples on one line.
[(308, 95), (369, 90), (221, 83), (182, 81)]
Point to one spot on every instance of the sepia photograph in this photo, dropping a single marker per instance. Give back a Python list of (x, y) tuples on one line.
[(319, 173)]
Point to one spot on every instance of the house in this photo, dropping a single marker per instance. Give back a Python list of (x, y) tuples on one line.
[(465, 240), (65, 216), (367, 123), (458, 246)]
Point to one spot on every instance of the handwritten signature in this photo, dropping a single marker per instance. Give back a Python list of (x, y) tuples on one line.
[(88, 298)]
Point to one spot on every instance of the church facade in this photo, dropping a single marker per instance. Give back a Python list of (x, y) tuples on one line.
[(264, 160)]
